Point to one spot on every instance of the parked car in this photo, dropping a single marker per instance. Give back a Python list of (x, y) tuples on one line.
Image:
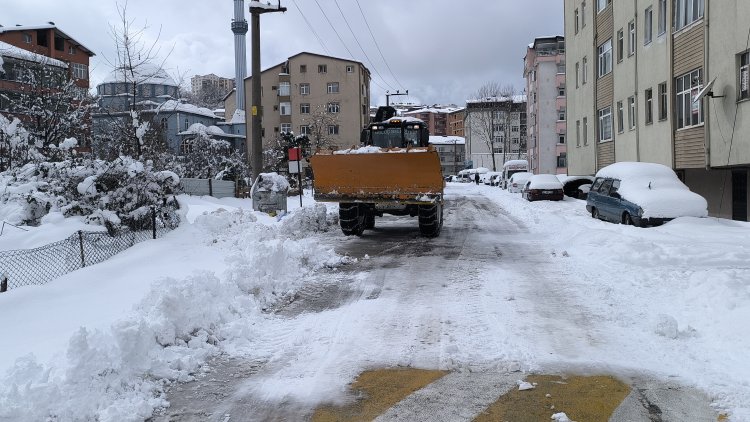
[(486, 178), (517, 181), (642, 194), (543, 186), (496, 179), (576, 186)]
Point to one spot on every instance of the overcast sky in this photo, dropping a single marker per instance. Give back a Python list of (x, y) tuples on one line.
[(442, 51)]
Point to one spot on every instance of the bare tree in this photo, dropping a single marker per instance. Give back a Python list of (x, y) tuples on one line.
[(490, 117), (318, 123), (136, 63)]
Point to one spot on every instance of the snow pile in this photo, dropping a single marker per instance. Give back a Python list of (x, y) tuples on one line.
[(120, 374), (561, 417), (362, 150)]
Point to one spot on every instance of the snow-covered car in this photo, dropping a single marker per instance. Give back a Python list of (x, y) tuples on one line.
[(487, 178), (543, 186), (642, 194), (576, 186), (517, 181)]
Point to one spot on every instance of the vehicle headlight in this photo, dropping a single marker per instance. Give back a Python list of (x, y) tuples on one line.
[(640, 212)]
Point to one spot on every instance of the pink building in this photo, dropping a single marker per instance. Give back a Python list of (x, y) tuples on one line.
[(544, 71)]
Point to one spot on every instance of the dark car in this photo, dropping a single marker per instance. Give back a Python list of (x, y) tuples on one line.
[(641, 194), (576, 186), (541, 187)]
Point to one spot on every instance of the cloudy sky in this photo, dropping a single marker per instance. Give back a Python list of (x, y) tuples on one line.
[(442, 51)]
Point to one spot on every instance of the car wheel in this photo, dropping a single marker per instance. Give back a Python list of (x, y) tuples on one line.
[(595, 213), (627, 220)]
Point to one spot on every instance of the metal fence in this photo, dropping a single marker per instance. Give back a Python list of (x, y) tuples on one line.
[(43, 264)]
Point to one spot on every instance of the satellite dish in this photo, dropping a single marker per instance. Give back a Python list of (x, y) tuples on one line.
[(706, 91)]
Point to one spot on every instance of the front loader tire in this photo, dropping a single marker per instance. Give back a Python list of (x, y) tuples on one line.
[(352, 218), (430, 219)]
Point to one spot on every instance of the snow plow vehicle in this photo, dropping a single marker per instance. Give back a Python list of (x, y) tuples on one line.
[(394, 171)]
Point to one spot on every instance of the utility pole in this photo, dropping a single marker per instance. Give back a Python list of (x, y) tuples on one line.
[(256, 110), (388, 96)]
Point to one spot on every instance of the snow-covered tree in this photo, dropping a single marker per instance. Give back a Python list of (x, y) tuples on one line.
[(490, 117), (204, 156)]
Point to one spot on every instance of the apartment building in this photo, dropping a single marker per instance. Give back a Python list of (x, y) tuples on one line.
[(49, 57), (544, 71), (50, 41), (200, 83), (495, 129), (635, 75), (452, 152), (456, 120), (293, 91), (436, 118)]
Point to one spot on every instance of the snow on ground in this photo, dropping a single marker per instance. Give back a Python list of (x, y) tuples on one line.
[(102, 342)]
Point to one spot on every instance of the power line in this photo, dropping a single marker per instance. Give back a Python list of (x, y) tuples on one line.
[(342, 41), (378, 46), (360, 45), (320, 40)]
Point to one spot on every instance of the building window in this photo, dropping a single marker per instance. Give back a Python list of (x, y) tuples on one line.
[(575, 21), (687, 12), (561, 68), (663, 101), (304, 89), (322, 68), (286, 128), (649, 106), (71, 50), (578, 133), (584, 71), (605, 58), (561, 115), (349, 68), (620, 118), (583, 14), (689, 112), (334, 108), (304, 130), (662, 17), (744, 82), (561, 91), (577, 70), (605, 124), (333, 87), (333, 129), (27, 38), (585, 131), (285, 109), (79, 71), (602, 4), (303, 68), (187, 124), (631, 38), (304, 108), (620, 45), (562, 159), (561, 138), (631, 113), (284, 88), (648, 25)]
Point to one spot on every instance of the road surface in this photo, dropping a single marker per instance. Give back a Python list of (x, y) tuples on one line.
[(435, 329)]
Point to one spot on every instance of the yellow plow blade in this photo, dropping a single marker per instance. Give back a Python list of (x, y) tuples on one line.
[(412, 176)]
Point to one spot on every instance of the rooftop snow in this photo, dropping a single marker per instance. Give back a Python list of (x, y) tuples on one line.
[(8, 50), (197, 128), (145, 73), (173, 105), (516, 99), (447, 140)]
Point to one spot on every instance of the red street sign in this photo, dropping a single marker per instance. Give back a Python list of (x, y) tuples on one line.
[(295, 154)]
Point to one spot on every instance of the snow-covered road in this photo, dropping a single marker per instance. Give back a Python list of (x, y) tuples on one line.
[(274, 319)]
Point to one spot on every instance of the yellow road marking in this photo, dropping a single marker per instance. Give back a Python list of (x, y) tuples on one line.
[(583, 399), (379, 390)]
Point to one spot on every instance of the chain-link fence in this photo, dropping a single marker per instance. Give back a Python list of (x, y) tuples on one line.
[(43, 264)]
